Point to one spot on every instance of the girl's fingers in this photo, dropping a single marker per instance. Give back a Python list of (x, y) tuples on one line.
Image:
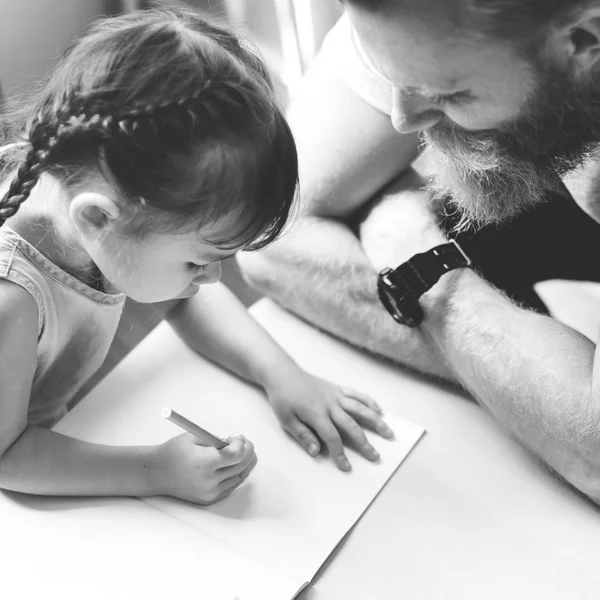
[(229, 484), (225, 488), (245, 465), (366, 416), (238, 449), (354, 433), (304, 436), (364, 398), (233, 453), (329, 435)]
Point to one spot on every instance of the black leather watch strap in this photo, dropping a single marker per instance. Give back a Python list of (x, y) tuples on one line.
[(400, 289), (423, 271)]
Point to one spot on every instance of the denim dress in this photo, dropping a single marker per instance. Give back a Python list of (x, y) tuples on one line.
[(76, 326)]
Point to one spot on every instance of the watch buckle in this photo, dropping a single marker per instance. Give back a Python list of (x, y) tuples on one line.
[(462, 252)]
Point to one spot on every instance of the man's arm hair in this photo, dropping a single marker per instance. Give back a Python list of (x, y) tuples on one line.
[(348, 152), (538, 377), (320, 272)]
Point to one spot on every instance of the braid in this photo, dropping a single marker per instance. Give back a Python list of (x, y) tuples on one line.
[(27, 175), (96, 117), (44, 139)]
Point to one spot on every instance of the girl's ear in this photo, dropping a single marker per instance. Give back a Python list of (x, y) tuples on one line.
[(94, 214)]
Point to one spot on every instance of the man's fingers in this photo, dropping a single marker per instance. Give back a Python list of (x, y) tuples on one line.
[(366, 416), (354, 433), (304, 436)]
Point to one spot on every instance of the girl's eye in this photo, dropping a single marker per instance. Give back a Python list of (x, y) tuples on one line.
[(196, 269)]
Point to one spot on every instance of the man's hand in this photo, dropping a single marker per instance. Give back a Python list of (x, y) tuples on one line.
[(403, 223)]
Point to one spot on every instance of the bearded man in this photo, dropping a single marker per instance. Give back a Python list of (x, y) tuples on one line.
[(506, 95)]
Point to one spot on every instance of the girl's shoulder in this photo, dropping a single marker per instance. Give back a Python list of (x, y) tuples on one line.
[(18, 315), (20, 285), (15, 302), (18, 356)]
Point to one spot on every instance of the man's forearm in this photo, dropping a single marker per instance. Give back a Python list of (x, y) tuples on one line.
[(533, 373), (320, 272)]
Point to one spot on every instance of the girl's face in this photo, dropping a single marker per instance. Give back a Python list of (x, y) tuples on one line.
[(152, 267), (159, 267)]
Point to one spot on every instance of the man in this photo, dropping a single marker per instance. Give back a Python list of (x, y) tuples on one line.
[(506, 94)]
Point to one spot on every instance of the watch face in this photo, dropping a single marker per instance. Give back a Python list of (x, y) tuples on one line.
[(401, 305)]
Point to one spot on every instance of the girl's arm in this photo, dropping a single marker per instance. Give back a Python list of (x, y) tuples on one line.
[(35, 460), (41, 461), (215, 324)]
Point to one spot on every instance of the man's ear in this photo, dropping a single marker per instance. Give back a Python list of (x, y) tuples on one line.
[(582, 36), (94, 214)]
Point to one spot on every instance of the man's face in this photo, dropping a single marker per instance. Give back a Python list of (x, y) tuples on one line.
[(498, 128)]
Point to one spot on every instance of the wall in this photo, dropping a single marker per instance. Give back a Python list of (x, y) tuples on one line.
[(33, 31), (259, 19)]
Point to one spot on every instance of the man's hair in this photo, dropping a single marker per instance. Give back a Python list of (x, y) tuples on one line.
[(499, 18)]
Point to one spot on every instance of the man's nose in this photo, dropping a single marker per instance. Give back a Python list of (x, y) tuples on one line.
[(211, 275), (412, 113)]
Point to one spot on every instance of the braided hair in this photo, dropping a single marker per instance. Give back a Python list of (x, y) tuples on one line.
[(178, 115)]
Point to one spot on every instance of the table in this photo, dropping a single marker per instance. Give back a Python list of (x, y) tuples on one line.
[(469, 515)]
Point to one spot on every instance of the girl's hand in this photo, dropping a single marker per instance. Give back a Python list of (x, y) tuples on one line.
[(182, 468), (313, 410)]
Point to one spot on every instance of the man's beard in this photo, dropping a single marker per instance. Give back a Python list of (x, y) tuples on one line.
[(493, 176)]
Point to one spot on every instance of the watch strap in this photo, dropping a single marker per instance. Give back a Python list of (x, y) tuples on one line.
[(423, 271)]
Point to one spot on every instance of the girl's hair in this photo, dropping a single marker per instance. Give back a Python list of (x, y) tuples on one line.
[(177, 114)]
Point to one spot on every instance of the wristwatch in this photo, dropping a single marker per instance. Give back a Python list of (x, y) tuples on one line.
[(400, 289)]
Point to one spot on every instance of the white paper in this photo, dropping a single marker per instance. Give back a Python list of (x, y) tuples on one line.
[(121, 549), (293, 510)]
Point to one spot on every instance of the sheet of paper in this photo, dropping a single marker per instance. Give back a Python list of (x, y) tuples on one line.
[(120, 549), (293, 510)]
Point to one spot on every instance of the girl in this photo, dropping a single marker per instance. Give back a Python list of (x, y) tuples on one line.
[(155, 151)]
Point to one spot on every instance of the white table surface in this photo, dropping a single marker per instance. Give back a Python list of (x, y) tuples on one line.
[(469, 515)]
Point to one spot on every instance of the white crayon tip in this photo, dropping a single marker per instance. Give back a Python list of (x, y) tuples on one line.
[(166, 412)]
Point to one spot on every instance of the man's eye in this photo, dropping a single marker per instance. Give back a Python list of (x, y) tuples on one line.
[(456, 99), (196, 269)]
